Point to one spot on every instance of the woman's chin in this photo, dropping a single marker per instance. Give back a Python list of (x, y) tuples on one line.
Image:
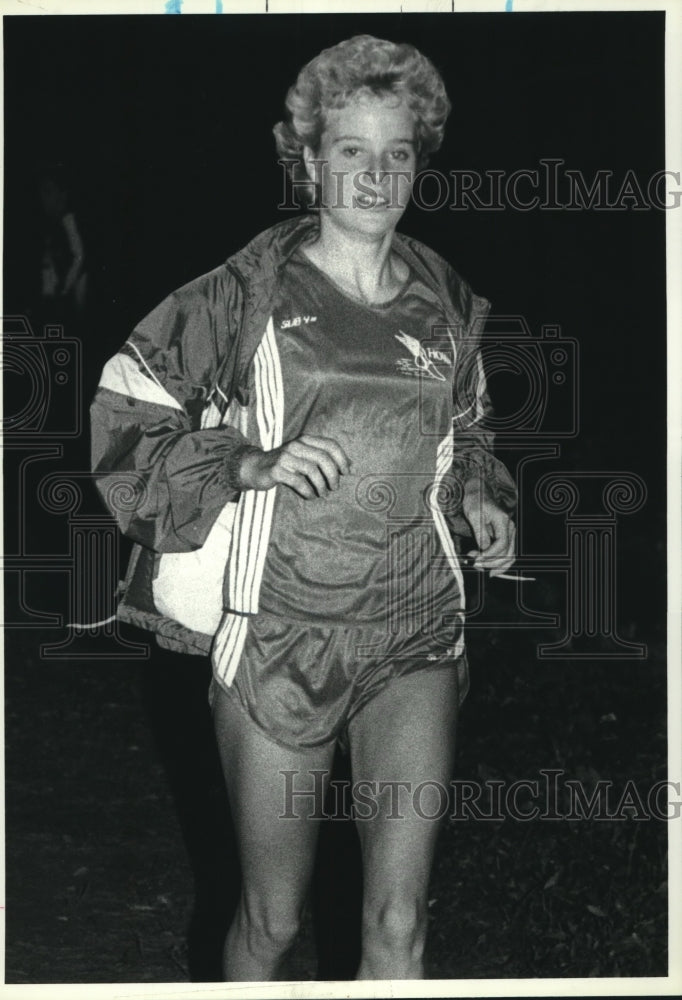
[(375, 220)]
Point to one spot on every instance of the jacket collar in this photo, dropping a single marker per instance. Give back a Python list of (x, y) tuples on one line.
[(257, 267), (268, 252)]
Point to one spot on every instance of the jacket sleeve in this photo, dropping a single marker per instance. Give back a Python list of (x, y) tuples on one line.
[(475, 466), (163, 476)]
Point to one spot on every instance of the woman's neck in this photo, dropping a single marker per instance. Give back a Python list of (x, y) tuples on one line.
[(361, 263)]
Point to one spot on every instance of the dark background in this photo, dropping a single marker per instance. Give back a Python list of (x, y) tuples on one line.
[(163, 127)]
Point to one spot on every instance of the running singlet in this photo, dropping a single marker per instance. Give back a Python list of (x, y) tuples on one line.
[(378, 380)]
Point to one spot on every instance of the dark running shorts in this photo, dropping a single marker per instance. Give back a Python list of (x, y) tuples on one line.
[(301, 685)]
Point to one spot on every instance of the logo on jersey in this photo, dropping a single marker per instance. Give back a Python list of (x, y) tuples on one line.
[(287, 324), (422, 360)]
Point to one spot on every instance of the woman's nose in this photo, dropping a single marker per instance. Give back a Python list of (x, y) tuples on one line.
[(378, 169)]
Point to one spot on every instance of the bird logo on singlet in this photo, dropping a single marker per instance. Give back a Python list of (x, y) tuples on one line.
[(420, 362)]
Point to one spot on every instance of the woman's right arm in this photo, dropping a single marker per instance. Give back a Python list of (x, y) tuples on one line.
[(310, 465), (162, 476)]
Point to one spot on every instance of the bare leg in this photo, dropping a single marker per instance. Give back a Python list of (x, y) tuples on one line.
[(405, 734), (276, 854)]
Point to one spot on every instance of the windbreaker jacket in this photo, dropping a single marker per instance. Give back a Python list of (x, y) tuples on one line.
[(166, 417)]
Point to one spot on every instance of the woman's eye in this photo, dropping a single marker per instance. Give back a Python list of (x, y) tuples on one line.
[(351, 150), (400, 154)]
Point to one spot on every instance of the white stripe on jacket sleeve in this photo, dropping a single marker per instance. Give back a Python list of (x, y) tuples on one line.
[(253, 519), (122, 374)]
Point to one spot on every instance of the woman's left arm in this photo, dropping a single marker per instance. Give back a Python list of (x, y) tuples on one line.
[(489, 494)]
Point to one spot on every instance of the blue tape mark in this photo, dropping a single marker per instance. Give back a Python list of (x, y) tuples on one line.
[(218, 6), (174, 6), (509, 5)]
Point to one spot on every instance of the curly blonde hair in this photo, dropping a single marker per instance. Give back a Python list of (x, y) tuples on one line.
[(360, 64)]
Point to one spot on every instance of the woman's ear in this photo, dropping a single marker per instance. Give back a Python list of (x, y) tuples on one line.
[(311, 167)]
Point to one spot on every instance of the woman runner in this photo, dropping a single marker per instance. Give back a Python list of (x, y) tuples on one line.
[(289, 439)]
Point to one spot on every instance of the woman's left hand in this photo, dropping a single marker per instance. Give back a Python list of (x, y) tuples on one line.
[(494, 531)]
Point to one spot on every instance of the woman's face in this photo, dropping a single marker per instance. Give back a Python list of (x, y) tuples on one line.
[(366, 164)]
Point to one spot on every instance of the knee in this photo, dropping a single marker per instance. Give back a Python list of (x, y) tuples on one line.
[(271, 927), (397, 925)]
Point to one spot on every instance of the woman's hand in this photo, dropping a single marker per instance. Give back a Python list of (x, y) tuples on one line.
[(494, 531), (309, 465)]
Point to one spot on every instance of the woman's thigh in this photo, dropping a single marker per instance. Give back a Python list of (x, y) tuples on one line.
[(405, 738), (276, 800)]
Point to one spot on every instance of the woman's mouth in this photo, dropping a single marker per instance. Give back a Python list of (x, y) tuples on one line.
[(370, 200)]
